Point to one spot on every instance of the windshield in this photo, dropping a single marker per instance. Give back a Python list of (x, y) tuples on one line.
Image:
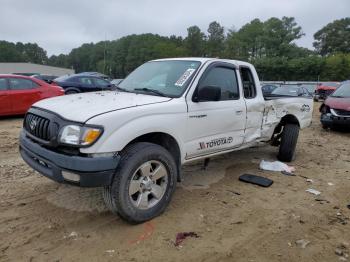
[(170, 77), (342, 91), (62, 78)]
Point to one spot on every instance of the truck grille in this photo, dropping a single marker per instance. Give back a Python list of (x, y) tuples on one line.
[(37, 126), (342, 112)]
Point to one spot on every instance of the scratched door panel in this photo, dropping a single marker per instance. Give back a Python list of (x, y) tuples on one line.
[(215, 126)]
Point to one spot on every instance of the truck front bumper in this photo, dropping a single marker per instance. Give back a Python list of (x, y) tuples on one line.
[(77, 170)]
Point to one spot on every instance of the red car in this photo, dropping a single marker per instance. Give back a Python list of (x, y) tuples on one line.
[(18, 93), (335, 111), (324, 90)]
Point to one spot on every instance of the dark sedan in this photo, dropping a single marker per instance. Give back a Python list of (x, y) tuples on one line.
[(78, 83), (289, 90)]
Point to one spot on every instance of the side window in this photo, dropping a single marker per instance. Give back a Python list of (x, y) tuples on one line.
[(222, 77), (21, 84), (248, 83), (73, 79), (86, 81), (101, 82), (3, 84)]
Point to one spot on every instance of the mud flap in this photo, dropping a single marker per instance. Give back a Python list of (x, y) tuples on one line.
[(256, 180)]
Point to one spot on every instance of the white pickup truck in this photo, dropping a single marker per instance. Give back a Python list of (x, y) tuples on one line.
[(134, 140)]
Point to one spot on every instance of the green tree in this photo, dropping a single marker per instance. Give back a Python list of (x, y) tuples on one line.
[(336, 68), (59, 61), (279, 35), (247, 43), (32, 53), (9, 53), (195, 41), (333, 38), (215, 41)]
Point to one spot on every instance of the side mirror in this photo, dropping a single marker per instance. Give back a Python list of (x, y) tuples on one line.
[(207, 94)]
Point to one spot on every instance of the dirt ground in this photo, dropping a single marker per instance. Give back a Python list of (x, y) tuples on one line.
[(41, 220)]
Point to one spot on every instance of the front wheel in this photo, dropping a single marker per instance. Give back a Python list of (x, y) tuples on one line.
[(288, 144), (144, 183)]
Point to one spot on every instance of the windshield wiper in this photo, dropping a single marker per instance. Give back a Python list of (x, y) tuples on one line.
[(145, 89), (337, 96), (122, 89)]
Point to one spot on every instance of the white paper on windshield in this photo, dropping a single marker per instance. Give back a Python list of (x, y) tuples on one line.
[(182, 80)]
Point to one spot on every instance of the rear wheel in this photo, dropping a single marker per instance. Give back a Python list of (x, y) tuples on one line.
[(71, 92), (144, 183), (288, 144)]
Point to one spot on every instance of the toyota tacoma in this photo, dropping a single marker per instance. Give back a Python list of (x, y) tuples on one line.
[(133, 141)]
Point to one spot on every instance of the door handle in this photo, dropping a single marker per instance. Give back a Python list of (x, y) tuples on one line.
[(239, 112)]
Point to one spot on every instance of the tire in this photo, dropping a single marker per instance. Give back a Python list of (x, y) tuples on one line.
[(288, 144), (71, 92), (144, 204), (324, 126)]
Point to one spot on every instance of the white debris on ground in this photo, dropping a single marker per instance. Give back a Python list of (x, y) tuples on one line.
[(302, 243), (313, 191), (276, 166), (72, 235)]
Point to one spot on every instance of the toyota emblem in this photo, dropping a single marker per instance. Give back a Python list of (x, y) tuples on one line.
[(32, 124)]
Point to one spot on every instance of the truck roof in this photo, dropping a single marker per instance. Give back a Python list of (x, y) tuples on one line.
[(206, 59)]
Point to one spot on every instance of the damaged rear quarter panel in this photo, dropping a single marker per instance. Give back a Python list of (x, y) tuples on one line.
[(276, 109)]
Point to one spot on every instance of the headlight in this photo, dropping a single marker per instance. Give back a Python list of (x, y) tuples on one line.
[(79, 135)]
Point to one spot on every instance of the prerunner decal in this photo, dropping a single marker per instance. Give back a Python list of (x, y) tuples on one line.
[(215, 143), (182, 80), (305, 108)]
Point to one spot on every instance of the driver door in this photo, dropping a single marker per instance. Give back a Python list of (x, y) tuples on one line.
[(216, 126)]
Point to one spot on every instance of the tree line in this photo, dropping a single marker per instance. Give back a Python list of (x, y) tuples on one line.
[(269, 45)]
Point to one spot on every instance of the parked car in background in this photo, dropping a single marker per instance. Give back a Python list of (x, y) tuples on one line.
[(47, 78), (116, 82), (79, 83), (97, 74), (268, 88), (310, 87), (335, 110), (18, 93), (290, 90), (323, 90)]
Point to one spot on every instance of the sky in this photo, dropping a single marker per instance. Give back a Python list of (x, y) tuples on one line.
[(59, 26)]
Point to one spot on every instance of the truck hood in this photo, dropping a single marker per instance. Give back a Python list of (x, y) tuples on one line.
[(338, 103), (81, 107)]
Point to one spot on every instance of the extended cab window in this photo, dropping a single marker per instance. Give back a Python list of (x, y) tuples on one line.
[(248, 82), (21, 84), (222, 77), (3, 84)]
